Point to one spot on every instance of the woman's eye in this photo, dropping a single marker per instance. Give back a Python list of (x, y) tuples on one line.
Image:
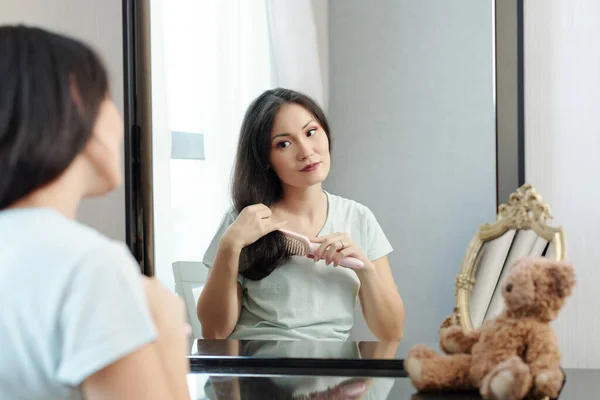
[(283, 144), (311, 132)]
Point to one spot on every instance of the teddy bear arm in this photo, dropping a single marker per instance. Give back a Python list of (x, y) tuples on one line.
[(542, 351), (456, 341)]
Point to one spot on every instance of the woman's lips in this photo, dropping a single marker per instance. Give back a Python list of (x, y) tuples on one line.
[(310, 167)]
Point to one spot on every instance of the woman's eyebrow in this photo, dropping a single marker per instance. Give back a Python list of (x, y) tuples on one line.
[(288, 134)]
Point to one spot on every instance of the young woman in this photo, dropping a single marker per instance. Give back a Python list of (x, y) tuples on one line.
[(78, 320), (255, 289)]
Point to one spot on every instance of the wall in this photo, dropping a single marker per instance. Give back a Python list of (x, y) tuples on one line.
[(100, 25), (413, 129), (562, 151), (507, 95), (321, 17)]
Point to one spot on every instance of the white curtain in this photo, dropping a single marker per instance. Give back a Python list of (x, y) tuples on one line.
[(161, 149), (218, 55), (299, 48)]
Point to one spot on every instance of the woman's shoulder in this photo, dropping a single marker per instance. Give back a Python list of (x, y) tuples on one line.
[(345, 206), (228, 217), (86, 244), (231, 212), (54, 233)]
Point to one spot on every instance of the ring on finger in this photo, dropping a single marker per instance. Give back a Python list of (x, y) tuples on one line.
[(342, 243)]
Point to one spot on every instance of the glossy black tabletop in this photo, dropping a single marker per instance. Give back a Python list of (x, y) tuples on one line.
[(580, 385), (250, 369), (294, 356)]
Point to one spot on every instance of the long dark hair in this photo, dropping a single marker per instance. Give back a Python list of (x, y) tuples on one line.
[(254, 182), (52, 87)]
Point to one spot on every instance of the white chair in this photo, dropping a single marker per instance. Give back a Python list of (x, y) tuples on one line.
[(190, 277)]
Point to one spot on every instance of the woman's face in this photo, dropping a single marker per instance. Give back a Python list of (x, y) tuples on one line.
[(299, 147), (104, 149)]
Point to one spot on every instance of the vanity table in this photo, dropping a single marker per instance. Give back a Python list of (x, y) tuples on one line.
[(238, 369)]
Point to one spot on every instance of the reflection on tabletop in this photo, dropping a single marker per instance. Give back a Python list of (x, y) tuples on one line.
[(213, 387), (221, 387), (580, 384), (296, 386)]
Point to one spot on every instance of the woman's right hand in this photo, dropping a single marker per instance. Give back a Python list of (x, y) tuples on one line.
[(250, 225)]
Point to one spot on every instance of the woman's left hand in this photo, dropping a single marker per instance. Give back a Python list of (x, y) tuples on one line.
[(336, 246)]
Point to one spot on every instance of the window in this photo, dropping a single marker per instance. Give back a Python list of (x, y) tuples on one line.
[(217, 59)]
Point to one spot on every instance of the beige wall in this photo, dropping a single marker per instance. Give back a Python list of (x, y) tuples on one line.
[(98, 23), (562, 151)]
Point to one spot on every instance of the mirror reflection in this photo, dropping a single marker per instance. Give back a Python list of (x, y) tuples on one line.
[(290, 259), (297, 349), (298, 388), (329, 162)]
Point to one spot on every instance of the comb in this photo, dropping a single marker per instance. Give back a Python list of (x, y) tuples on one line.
[(299, 245)]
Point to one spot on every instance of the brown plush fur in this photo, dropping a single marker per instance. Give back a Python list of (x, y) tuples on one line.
[(511, 357)]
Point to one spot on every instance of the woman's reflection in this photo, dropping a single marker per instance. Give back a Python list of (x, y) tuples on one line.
[(255, 288), (298, 388), (303, 387)]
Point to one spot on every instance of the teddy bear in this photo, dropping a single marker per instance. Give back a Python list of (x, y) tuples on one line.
[(513, 356)]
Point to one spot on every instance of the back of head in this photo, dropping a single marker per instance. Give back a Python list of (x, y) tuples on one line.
[(51, 90)]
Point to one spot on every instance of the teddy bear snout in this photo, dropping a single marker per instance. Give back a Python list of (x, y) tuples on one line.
[(509, 287)]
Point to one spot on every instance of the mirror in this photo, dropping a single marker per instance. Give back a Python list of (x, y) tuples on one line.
[(319, 353), (521, 229), (423, 105)]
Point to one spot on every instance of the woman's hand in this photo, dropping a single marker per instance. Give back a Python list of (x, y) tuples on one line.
[(337, 246), (250, 225)]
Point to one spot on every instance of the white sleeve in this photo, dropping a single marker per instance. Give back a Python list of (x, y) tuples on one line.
[(210, 253), (377, 243), (104, 314)]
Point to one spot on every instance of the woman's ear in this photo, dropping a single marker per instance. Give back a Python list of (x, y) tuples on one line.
[(96, 153), (103, 149)]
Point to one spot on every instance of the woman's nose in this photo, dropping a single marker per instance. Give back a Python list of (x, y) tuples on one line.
[(305, 150)]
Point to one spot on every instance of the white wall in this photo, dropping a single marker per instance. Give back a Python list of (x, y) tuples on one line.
[(562, 151), (413, 130), (98, 23)]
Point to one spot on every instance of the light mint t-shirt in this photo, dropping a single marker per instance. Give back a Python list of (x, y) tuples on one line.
[(303, 299), (72, 302)]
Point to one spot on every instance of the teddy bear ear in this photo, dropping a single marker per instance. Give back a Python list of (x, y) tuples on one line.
[(563, 278)]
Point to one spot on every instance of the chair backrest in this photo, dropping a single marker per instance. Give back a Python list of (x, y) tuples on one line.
[(190, 277)]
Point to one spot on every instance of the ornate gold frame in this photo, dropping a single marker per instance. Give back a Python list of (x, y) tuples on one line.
[(524, 210)]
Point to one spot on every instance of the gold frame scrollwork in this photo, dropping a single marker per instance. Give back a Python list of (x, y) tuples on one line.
[(525, 209)]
